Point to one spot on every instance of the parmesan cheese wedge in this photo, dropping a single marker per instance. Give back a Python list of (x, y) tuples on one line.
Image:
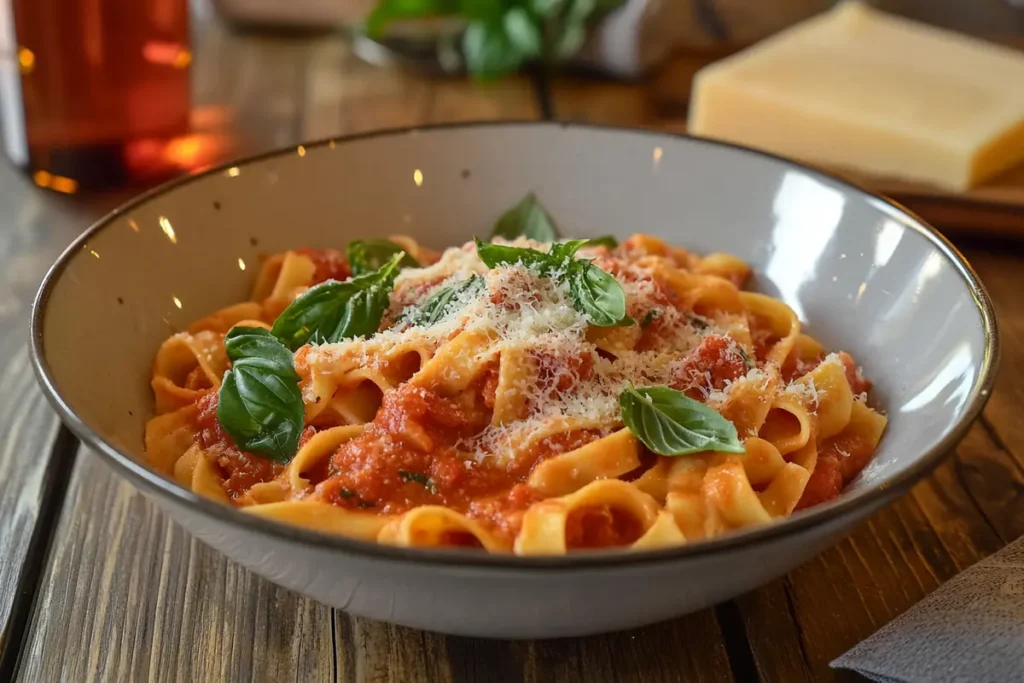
[(859, 89)]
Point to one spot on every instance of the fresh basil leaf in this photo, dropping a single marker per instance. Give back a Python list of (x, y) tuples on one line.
[(333, 311), (489, 52), (526, 219), (436, 306), (523, 32), (365, 256), (597, 295), (669, 422), (418, 478), (565, 251), (259, 403), (603, 241), (547, 9), (594, 292), (388, 11), (482, 10), (494, 255)]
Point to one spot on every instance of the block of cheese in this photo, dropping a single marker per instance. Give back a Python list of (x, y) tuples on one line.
[(858, 89)]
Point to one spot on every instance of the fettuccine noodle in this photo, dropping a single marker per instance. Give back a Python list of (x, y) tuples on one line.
[(498, 426)]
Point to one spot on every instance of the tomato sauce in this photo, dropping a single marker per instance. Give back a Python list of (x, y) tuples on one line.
[(710, 366), (330, 264), (241, 469), (839, 462), (795, 367), (858, 385), (601, 526), (762, 334), (408, 456)]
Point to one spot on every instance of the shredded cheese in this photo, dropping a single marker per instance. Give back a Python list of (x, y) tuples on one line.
[(529, 312)]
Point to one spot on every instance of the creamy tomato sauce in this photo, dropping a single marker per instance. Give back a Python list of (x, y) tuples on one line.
[(711, 365), (241, 469), (408, 456), (330, 264)]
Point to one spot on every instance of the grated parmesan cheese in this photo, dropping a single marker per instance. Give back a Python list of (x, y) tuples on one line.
[(530, 312)]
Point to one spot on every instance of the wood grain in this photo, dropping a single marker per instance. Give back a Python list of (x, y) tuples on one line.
[(34, 232), (129, 596), (688, 649)]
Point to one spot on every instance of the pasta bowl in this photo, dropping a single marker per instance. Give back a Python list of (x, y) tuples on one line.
[(840, 267)]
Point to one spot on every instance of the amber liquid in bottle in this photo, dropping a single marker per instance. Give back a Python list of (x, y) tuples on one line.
[(93, 92)]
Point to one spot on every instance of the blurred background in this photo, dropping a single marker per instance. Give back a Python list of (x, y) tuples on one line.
[(99, 95)]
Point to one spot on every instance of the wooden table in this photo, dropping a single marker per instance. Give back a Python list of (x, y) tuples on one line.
[(95, 584)]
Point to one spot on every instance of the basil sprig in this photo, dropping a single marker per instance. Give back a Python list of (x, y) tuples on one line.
[(669, 422), (526, 219), (503, 35), (437, 304), (595, 293), (365, 256), (333, 311), (260, 403)]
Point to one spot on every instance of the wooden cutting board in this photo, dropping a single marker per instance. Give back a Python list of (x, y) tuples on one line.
[(996, 208)]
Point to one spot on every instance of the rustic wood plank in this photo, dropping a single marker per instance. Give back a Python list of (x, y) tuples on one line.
[(1000, 271), (35, 230), (130, 596), (371, 98), (688, 649)]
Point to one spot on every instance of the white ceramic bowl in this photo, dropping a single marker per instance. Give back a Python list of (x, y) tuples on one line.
[(865, 275)]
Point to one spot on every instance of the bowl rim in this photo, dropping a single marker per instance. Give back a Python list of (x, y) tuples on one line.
[(150, 481)]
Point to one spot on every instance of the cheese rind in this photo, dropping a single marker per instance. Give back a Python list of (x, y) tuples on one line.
[(860, 89)]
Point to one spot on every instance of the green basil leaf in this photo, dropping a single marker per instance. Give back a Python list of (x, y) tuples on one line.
[(489, 52), (436, 306), (746, 360), (565, 251), (482, 10), (393, 10), (523, 32), (669, 422), (418, 478), (333, 311), (573, 35), (494, 255), (526, 219), (548, 8), (365, 256), (594, 292), (259, 403), (597, 295), (603, 241)]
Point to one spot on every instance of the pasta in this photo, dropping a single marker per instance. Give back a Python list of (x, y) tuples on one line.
[(575, 396)]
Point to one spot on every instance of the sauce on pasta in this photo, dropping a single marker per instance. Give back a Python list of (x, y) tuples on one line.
[(493, 420)]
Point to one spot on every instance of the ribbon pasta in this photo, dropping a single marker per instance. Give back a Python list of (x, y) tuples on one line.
[(497, 426)]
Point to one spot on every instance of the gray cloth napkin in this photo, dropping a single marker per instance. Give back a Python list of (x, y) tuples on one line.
[(970, 630)]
